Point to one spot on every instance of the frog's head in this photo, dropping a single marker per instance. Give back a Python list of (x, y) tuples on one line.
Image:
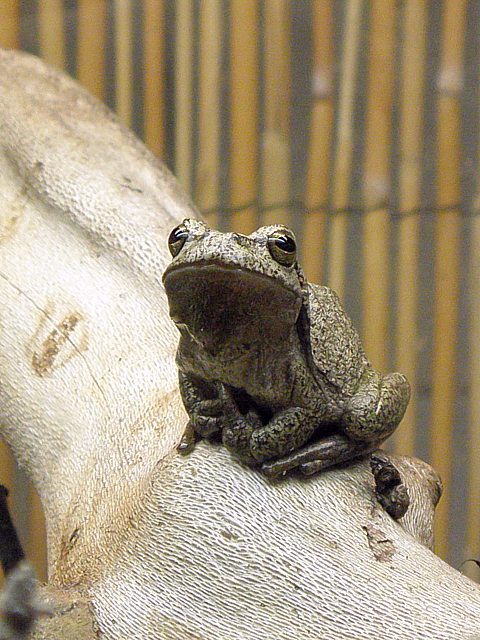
[(228, 286)]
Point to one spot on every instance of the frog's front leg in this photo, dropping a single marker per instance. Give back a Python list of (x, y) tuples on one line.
[(374, 412), (207, 403), (285, 432)]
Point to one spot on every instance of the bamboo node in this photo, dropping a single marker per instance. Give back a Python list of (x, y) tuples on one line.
[(450, 80), (321, 84)]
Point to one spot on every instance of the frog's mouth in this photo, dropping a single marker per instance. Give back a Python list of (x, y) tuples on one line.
[(229, 309)]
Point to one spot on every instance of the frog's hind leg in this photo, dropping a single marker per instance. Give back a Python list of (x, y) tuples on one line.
[(374, 412), (320, 455)]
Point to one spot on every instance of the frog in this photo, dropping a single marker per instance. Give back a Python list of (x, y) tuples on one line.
[(270, 364)]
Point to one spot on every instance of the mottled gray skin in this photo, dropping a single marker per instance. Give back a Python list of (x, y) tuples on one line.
[(269, 361)]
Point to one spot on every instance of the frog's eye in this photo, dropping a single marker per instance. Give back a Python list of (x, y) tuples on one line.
[(177, 239), (283, 248)]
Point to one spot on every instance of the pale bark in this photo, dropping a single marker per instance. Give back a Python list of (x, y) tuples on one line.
[(148, 543)]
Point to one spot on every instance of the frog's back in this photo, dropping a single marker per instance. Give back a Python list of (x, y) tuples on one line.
[(333, 344)]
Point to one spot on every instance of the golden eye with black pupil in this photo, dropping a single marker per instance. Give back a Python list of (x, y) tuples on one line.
[(283, 248), (177, 239)]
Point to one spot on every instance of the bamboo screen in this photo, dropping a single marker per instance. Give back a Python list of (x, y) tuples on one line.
[(356, 123)]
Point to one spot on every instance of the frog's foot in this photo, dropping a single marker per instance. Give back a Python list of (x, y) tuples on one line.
[(320, 455), (389, 488)]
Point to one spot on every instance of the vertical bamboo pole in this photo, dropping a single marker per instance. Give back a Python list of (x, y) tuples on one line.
[(207, 189), (10, 24), (36, 546), (472, 503), (321, 132), (410, 182), (154, 75), (243, 111), (91, 25), (51, 32), (472, 545), (275, 152), (447, 254), (377, 180), (183, 92), (123, 60), (343, 153), (7, 473)]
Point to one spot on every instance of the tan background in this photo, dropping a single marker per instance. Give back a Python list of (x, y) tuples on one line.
[(353, 121)]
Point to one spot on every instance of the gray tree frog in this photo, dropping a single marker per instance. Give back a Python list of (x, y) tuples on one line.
[(267, 361)]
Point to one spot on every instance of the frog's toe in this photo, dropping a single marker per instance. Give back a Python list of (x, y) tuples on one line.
[(189, 438), (206, 425), (277, 468)]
